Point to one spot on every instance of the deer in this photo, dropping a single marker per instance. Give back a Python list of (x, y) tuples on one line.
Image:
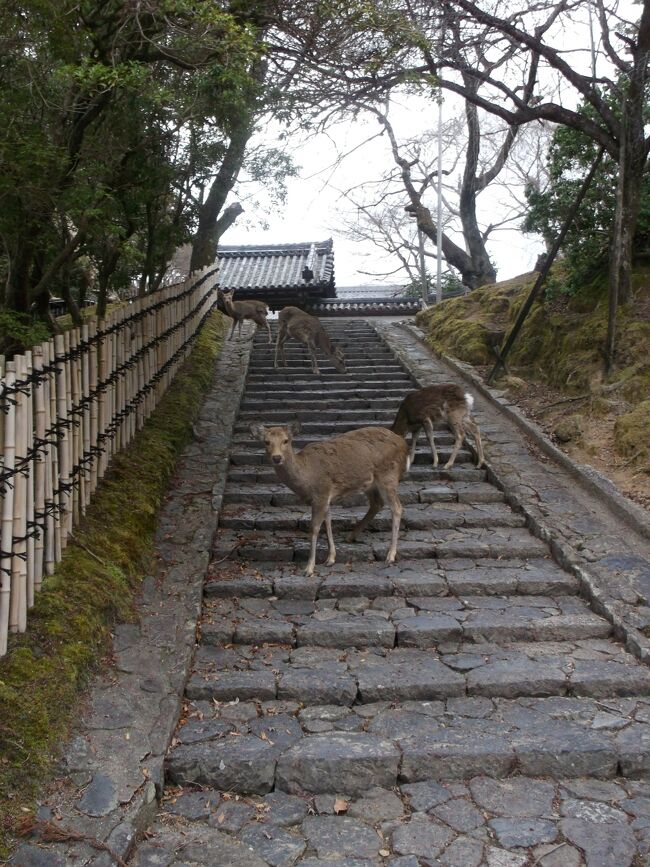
[(449, 403), (370, 460), (294, 322), (257, 311)]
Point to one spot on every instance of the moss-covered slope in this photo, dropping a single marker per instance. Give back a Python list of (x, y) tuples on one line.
[(561, 341)]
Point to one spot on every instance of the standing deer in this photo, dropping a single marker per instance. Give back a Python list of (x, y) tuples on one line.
[(370, 460), (257, 311), (294, 322), (449, 403)]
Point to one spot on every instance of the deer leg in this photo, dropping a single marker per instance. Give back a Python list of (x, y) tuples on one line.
[(279, 346), (314, 361), (331, 554), (476, 433), (414, 439), (268, 328), (318, 512), (241, 322), (375, 502), (234, 325), (389, 493), (428, 428), (457, 428)]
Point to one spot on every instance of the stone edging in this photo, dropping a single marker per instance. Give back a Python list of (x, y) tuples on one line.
[(634, 640), (591, 479), (113, 769)]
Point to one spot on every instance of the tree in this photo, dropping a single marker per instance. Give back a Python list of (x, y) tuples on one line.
[(92, 95), (589, 239), (626, 46)]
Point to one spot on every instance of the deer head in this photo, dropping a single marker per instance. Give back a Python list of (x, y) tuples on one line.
[(278, 440)]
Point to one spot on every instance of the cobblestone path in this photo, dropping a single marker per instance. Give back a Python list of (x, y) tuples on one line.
[(462, 707)]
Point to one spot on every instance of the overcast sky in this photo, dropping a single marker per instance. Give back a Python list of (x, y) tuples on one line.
[(314, 207)]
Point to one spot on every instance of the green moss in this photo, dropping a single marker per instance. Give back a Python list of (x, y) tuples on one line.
[(631, 434), (561, 340), (70, 623)]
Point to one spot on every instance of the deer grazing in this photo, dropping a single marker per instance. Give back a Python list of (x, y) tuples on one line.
[(369, 460), (449, 403), (257, 311), (294, 322)]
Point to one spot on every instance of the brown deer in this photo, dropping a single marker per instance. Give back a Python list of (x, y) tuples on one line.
[(257, 311), (369, 460), (294, 322), (449, 403)]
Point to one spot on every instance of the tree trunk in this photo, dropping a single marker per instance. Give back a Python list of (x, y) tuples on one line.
[(632, 163), (482, 271), (204, 243)]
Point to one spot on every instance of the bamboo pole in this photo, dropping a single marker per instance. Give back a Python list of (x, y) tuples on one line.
[(29, 487), (121, 383), (54, 555), (7, 526), (74, 389), (64, 440), (18, 607), (85, 419), (40, 467), (94, 405), (103, 397)]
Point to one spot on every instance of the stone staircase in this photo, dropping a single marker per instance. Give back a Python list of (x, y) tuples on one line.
[(474, 655)]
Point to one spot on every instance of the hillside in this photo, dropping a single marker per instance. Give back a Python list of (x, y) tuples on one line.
[(555, 368)]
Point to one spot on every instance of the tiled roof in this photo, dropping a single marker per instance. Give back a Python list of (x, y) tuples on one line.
[(366, 307), (371, 290), (277, 268)]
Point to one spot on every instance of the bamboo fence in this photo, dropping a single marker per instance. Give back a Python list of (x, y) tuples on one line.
[(66, 407)]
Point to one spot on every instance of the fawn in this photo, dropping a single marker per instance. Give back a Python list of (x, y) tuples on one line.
[(370, 460), (257, 311), (450, 403), (294, 322)]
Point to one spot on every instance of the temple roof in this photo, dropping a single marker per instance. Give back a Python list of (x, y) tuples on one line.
[(275, 273)]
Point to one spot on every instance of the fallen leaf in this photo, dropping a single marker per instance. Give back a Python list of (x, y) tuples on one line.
[(340, 805)]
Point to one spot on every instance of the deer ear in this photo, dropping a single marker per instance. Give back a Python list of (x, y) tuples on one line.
[(294, 427), (258, 431)]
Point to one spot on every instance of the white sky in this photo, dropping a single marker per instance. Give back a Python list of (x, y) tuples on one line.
[(314, 205)]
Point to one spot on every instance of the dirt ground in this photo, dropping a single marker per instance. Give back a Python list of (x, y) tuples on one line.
[(548, 407)]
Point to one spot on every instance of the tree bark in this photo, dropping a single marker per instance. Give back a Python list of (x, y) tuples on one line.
[(204, 244), (633, 150)]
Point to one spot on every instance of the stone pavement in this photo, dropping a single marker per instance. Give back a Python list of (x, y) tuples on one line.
[(472, 705)]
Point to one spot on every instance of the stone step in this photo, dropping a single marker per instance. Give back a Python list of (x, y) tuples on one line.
[(320, 429), (244, 440), (301, 368), (410, 492), (433, 476), (495, 543), (420, 516), (315, 391), (384, 417), (265, 352), (315, 674), (478, 821), (281, 376), (291, 747), (256, 455), (392, 621), (408, 578), (299, 404)]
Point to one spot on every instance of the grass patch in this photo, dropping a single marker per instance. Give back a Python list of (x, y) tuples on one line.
[(69, 627)]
